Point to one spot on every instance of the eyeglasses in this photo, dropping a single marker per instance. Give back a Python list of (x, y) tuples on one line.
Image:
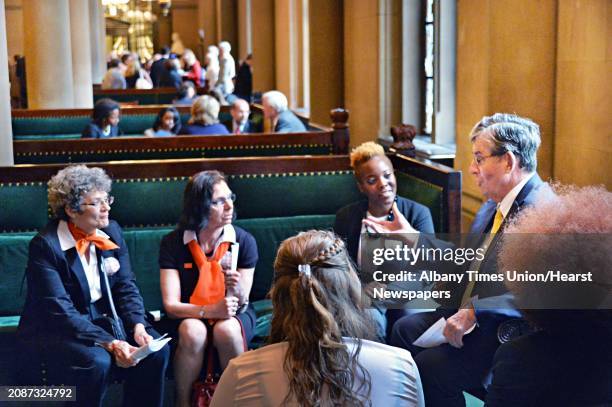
[(480, 159), (220, 202), (108, 201)]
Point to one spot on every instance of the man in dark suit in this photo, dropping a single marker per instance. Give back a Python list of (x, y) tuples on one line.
[(83, 312), (504, 147), (275, 107), (240, 122), (158, 67)]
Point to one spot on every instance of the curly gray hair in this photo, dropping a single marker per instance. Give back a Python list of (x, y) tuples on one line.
[(70, 184)]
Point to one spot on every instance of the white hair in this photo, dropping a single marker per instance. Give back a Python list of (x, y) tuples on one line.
[(225, 46), (213, 49), (276, 100)]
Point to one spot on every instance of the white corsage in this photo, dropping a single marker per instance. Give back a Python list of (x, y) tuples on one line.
[(110, 265)]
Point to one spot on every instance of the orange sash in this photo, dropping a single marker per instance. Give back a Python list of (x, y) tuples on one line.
[(210, 288), (83, 240)]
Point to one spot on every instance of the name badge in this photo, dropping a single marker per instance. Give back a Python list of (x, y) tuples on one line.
[(188, 265)]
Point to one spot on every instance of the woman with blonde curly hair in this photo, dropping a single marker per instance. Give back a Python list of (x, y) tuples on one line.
[(205, 118), (376, 180), (319, 352)]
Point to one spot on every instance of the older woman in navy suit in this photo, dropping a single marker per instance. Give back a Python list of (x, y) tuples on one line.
[(84, 316)]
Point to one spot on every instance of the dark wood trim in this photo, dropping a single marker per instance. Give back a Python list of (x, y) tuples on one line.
[(154, 91), (152, 144), (125, 110), (445, 177), (187, 167)]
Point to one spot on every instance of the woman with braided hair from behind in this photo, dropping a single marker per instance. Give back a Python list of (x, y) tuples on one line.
[(320, 352)]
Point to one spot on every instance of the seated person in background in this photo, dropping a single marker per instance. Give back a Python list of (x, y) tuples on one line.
[(240, 118), (186, 94), (567, 360), (113, 78), (199, 288), (78, 272), (376, 180), (204, 118), (193, 70), (136, 77), (275, 109), (105, 120), (170, 76), (319, 352), (167, 123)]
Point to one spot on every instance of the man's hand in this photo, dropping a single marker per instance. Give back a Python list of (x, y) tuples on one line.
[(399, 224), (141, 336), (457, 325), (123, 354)]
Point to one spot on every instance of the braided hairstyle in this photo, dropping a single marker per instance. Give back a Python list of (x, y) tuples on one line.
[(317, 300)]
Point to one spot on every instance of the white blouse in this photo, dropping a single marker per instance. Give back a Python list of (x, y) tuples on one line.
[(257, 378)]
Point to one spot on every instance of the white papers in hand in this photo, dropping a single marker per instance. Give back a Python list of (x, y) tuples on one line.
[(151, 347), (434, 336)]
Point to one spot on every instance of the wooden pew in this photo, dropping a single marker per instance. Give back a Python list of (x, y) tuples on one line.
[(155, 96), (319, 141)]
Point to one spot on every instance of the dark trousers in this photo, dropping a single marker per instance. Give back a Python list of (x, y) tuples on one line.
[(53, 360), (447, 371)]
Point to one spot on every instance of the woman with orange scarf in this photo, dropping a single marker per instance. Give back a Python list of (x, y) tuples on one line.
[(207, 267), (84, 317)]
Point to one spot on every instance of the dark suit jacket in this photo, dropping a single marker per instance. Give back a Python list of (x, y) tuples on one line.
[(483, 222), (94, 131), (543, 369), (249, 127), (216, 129), (58, 298), (289, 123), (157, 70), (348, 221)]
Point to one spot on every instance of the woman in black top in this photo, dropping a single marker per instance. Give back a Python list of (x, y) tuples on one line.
[(207, 267), (105, 120)]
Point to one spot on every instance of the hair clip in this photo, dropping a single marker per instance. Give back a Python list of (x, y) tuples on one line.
[(304, 269)]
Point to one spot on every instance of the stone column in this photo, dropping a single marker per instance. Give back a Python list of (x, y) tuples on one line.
[(81, 53), (245, 32), (207, 21), (292, 60), (264, 75), (6, 131), (48, 54), (97, 40)]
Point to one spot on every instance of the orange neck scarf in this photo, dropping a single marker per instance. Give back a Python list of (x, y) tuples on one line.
[(83, 240), (210, 288)]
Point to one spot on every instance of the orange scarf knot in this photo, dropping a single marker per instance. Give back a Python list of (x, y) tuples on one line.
[(83, 240)]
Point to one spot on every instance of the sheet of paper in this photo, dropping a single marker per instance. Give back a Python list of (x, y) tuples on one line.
[(434, 335), (151, 347)]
